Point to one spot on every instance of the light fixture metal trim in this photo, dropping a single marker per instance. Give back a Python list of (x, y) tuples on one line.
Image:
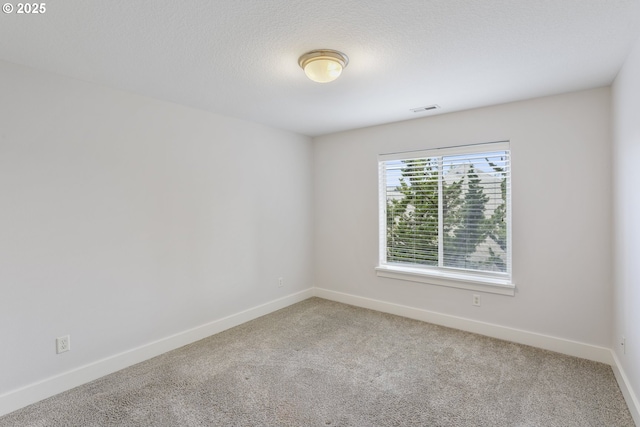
[(328, 55)]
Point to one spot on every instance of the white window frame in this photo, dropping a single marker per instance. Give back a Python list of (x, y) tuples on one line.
[(498, 283)]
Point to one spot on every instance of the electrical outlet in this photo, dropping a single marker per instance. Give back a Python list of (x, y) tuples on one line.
[(623, 343), (63, 344), (280, 282), (476, 300)]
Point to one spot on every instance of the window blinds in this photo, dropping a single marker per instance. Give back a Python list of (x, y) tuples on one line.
[(447, 208)]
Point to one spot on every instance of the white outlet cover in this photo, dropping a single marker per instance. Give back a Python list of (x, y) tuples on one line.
[(63, 344)]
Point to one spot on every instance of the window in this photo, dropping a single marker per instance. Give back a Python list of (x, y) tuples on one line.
[(445, 217)]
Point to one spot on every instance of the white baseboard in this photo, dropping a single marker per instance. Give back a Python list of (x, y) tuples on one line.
[(32, 393), (560, 345), (629, 396), (572, 348)]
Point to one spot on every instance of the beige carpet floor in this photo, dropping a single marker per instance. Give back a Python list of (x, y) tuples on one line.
[(321, 363)]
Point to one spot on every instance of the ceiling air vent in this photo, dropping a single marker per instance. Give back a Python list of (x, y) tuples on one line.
[(427, 108)]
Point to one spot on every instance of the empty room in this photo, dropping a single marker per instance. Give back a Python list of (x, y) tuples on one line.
[(339, 213)]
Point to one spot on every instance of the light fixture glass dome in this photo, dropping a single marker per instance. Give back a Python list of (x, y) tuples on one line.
[(323, 65)]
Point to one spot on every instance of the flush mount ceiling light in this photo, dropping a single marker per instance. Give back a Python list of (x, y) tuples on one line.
[(323, 65)]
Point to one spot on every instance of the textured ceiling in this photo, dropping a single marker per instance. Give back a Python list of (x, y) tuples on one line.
[(239, 57)]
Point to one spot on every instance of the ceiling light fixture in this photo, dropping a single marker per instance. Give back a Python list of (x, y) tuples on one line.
[(323, 65)]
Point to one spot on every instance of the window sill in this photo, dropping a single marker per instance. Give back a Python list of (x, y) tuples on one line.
[(452, 280)]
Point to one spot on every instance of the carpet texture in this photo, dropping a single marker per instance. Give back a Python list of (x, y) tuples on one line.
[(321, 363)]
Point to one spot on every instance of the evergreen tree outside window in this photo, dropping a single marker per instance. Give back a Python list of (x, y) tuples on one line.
[(447, 212)]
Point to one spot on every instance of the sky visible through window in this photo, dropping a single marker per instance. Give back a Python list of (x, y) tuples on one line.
[(480, 163)]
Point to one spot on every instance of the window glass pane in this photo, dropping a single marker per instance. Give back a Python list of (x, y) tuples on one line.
[(412, 211), (474, 189)]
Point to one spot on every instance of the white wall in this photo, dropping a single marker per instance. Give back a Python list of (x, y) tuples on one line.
[(561, 183), (626, 161), (125, 219)]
